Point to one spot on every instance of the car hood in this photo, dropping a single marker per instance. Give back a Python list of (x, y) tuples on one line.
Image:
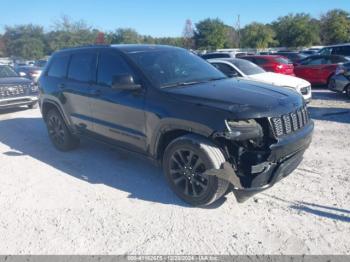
[(14, 81), (242, 98), (280, 80)]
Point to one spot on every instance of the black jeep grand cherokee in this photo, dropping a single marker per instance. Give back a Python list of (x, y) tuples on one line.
[(210, 133)]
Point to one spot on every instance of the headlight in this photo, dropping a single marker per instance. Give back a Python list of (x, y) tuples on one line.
[(243, 130), (33, 87)]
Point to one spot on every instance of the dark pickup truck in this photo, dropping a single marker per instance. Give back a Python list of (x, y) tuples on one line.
[(210, 133)]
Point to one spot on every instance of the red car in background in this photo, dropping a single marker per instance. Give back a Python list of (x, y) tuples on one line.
[(272, 63), (318, 69)]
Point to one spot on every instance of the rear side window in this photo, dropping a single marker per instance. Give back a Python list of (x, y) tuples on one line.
[(260, 61), (58, 67), (110, 65), (82, 67), (317, 61), (341, 50), (226, 69), (282, 60)]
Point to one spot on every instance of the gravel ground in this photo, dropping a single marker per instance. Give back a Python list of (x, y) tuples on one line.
[(98, 200)]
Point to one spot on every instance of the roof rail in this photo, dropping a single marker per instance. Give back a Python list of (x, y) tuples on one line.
[(84, 46)]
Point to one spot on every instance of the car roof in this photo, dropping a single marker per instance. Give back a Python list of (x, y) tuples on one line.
[(344, 44), (231, 60), (126, 48), (263, 56)]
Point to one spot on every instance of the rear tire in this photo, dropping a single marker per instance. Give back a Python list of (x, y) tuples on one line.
[(184, 162), (59, 133)]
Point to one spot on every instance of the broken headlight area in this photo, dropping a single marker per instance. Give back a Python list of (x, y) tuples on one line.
[(247, 145)]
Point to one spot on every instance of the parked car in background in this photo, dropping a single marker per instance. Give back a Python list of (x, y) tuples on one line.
[(318, 69), (234, 67), (272, 63), (15, 90), (210, 133), (341, 49), (292, 56), (30, 72), (218, 55), (340, 81), (40, 63), (307, 53)]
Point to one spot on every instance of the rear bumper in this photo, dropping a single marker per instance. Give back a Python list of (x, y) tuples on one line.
[(18, 101)]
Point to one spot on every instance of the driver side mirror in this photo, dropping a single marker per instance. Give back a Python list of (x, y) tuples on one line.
[(125, 82)]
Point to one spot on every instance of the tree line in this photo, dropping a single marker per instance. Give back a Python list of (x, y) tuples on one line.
[(294, 30)]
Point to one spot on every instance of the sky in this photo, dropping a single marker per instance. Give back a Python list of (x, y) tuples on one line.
[(157, 17)]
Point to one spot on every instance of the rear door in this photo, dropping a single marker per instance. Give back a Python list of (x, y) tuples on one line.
[(310, 69), (118, 114), (78, 87)]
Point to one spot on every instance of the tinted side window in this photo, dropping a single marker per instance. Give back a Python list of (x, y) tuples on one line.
[(342, 50), (260, 61), (337, 59), (317, 61), (326, 51), (110, 65), (58, 67), (82, 67), (226, 69)]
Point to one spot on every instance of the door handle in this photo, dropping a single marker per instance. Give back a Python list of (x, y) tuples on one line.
[(61, 86), (96, 92)]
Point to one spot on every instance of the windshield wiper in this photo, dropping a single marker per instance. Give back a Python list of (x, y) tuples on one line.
[(181, 84), (192, 82)]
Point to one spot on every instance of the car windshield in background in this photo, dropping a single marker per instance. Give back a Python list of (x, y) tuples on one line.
[(248, 68), (6, 71), (282, 60), (175, 68)]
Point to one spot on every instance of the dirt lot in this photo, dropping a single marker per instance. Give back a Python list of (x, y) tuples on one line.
[(100, 200)]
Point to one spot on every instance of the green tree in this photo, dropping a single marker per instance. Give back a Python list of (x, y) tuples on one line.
[(256, 35), (26, 41), (2, 46), (126, 36), (68, 33), (296, 30), (335, 27), (211, 34)]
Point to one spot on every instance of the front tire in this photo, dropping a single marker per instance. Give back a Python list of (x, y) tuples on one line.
[(59, 133), (347, 91), (184, 162), (33, 106)]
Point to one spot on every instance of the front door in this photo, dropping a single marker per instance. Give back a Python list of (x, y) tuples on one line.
[(118, 114)]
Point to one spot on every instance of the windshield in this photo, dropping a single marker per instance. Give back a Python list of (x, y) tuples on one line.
[(167, 68), (6, 71), (247, 67)]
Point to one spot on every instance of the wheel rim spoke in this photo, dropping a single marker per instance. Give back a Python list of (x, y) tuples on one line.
[(186, 170)]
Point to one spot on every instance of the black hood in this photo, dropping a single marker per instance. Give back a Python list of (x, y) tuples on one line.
[(14, 81), (242, 97)]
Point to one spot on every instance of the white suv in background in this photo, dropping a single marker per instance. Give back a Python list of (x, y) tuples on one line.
[(234, 67)]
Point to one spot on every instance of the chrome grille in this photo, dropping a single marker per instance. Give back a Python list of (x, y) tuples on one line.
[(12, 90), (290, 123)]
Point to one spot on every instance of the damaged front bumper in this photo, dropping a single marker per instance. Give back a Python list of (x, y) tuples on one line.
[(285, 157)]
